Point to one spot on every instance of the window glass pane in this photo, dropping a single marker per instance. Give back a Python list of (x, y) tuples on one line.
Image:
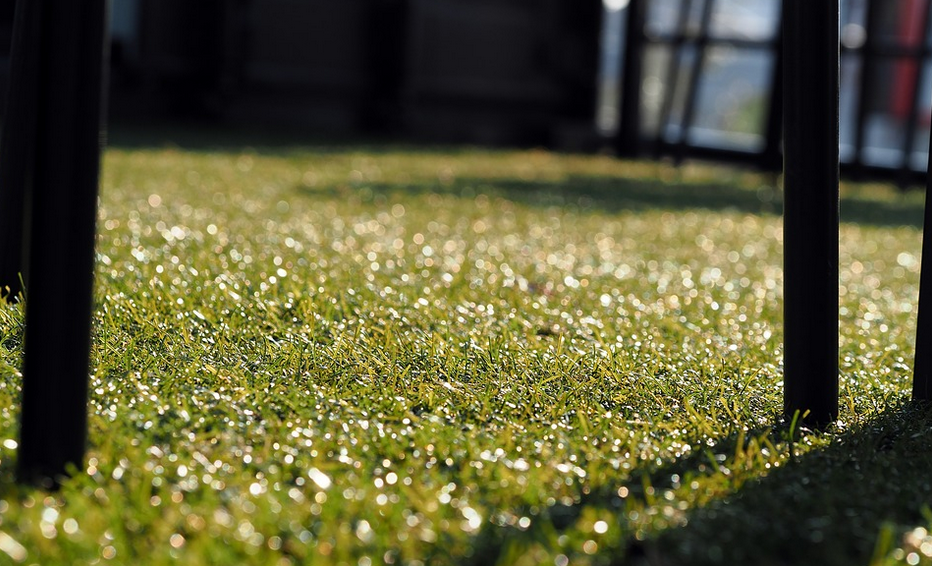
[(694, 20), (662, 17), (887, 104), (675, 106), (611, 54), (653, 88), (733, 99), (756, 20), (899, 22), (929, 33), (853, 23), (850, 79), (919, 158), (853, 12), (665, 17)]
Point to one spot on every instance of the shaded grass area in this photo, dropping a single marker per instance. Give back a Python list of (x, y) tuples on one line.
[(392, 354)]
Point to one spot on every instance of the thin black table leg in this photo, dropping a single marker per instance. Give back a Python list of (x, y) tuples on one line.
[(64, 180), (810, 81)]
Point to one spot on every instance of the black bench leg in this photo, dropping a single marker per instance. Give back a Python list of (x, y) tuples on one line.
[(810, 83), (922, 367), (63, 181), (16, 148)]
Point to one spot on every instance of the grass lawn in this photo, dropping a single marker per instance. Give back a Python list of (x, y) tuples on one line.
[(400, 355)]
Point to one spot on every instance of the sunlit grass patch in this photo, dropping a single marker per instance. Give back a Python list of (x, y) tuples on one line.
[(405, 355)]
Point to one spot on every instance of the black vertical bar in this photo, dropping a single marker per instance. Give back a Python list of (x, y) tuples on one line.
[(810, 81), (16, 147), (677, 50), (922, 374), (61, 258), (689, 111), (772, 156), (868, 64), (922, 365), (628, 140), (917, 58)]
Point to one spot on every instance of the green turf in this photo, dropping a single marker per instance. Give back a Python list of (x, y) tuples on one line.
[(366, 355)]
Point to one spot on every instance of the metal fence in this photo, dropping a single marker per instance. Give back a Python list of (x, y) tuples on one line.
[(701, 78)]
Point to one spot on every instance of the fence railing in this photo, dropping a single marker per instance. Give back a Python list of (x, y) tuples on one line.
[(706, 83)]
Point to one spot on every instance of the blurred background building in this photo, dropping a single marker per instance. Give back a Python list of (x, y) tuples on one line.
[(485, 71), (703, 80)]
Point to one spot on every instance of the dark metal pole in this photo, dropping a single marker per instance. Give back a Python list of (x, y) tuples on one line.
[(677, 54), (16, 147), (866, 80), (922, 366), (628, 140), (810, 81), (692, 91), (772, 157), (64, 179)]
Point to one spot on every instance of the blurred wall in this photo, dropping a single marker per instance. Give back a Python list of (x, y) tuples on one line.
[(486, 71)]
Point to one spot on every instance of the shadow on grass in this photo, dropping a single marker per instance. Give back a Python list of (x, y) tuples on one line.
[(615, 194), (837, 505), (609, 193), (827, 507), (216, 138)]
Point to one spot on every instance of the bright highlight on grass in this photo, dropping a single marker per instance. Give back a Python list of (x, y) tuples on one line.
[(410, 356)]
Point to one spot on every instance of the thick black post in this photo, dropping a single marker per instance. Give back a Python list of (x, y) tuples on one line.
[(628, 140), (16, 144), (64, 180), (810, 90), (922, 367)]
